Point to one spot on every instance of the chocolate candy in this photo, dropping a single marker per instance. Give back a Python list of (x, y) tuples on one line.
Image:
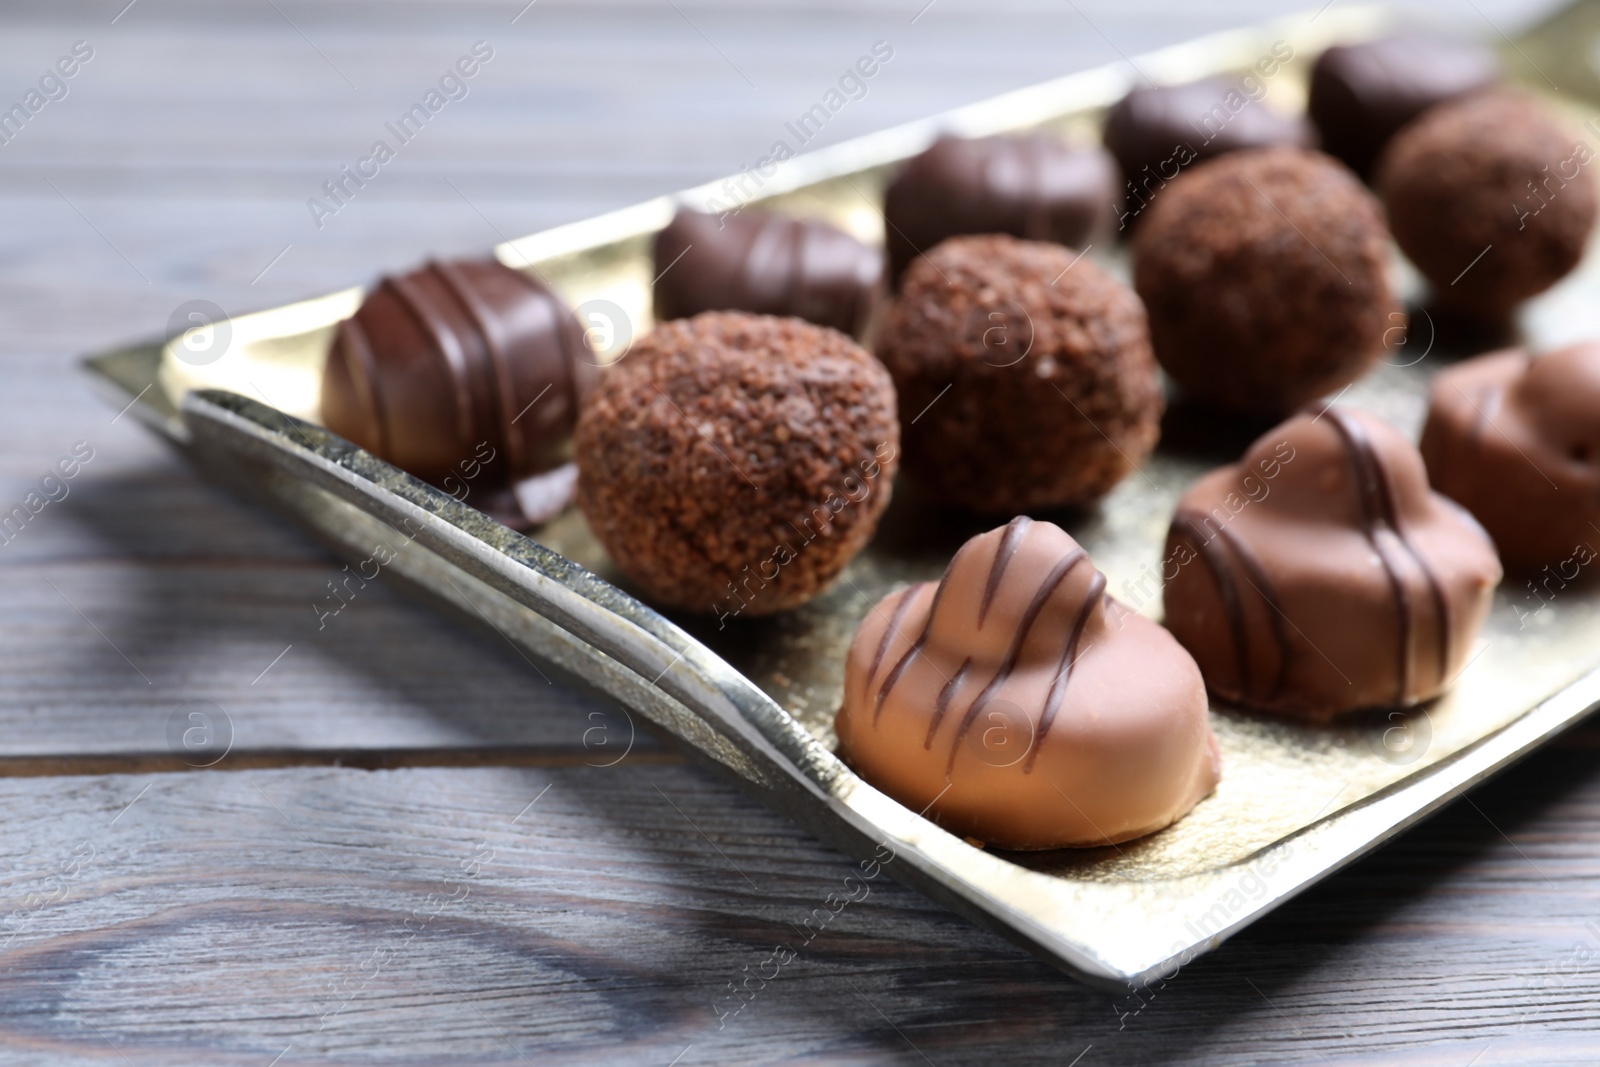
[(460, 372), (733, 464), (768, 264), (1320, 573), (1157, 132), (1016, 703), (1266, 277), (1490, 197), (1361, 94), (1023, 373), (1515, 438), (1032, 186)]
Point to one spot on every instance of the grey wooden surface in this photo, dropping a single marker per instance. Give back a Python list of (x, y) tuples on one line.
[(425, 912)]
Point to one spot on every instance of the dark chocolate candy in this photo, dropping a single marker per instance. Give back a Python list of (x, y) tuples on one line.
[(766, 264), (1157, 132), (1035, 187), (1361, 94), (1515, 439), (1320, 574), (467, 374)]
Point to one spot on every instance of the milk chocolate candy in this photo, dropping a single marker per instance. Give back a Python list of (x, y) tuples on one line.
[(1320, 574), (766, 264), (460, 372), (1361, 94), (1514, 437), (1016, 703), (1033, 186), (1158, 131)]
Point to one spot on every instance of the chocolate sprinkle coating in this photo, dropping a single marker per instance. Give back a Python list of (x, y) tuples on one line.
[(1264, 273), (735, 463), (1024, 375), (1469, 179)]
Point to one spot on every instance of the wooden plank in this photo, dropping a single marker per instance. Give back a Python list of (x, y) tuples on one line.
[(562, 915)]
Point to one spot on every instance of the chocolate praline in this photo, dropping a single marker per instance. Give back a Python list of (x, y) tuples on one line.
[(1514, 437), (733, 464), (1489, 197), (1362, 93), (1158, 131), (1016, 703), (768, 264), (1024, 375), (465, 369), (1320, 574), (1265, 274), (1032, 186)]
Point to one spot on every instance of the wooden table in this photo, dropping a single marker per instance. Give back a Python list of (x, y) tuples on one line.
[(407, 853)]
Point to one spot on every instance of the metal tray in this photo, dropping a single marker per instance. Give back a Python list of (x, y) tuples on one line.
[(757, 698)]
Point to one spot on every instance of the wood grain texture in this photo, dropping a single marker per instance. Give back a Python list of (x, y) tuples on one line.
[(237, 917)]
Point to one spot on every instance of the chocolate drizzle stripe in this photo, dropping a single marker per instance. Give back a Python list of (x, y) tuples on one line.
[(487, 322), (1069, 656), (445, 343), (922, 638), (1191, 526), (362, 365), (895, 619), (946, 695), (1059, 572), (1015, 530), (1379, 515), (1258, 577)]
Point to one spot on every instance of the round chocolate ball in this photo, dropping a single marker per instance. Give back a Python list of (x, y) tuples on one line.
[(733, 464), (1265, 277), (1024, 375), (459, 371), (1490, 198)]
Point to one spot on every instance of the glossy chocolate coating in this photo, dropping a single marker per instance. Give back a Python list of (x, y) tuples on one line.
[(1016, 703), (1361, 94), (460, 363), (1515, 439), (1320, 574), (1033, 186), (1156, 132), (766, 264)]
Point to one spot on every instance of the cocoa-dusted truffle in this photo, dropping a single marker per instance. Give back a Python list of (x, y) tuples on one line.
[(735, 463), (1514, 437), (768, 264), (1024, 375), (1016, 703), (1264, 273), (465, 370), (1320, 573), (1361, 94), (1158, 131), (1032, 186), (1490, 198)]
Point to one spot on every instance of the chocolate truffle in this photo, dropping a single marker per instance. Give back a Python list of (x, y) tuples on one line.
[(1265, 276), (1158, 131), (1024, 375), (1515, 439), (735, 463), (461, 370), (1320, 573), (1016, 703), (768, 264), (1361, 94), (1031, 186), (1489, 197)]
